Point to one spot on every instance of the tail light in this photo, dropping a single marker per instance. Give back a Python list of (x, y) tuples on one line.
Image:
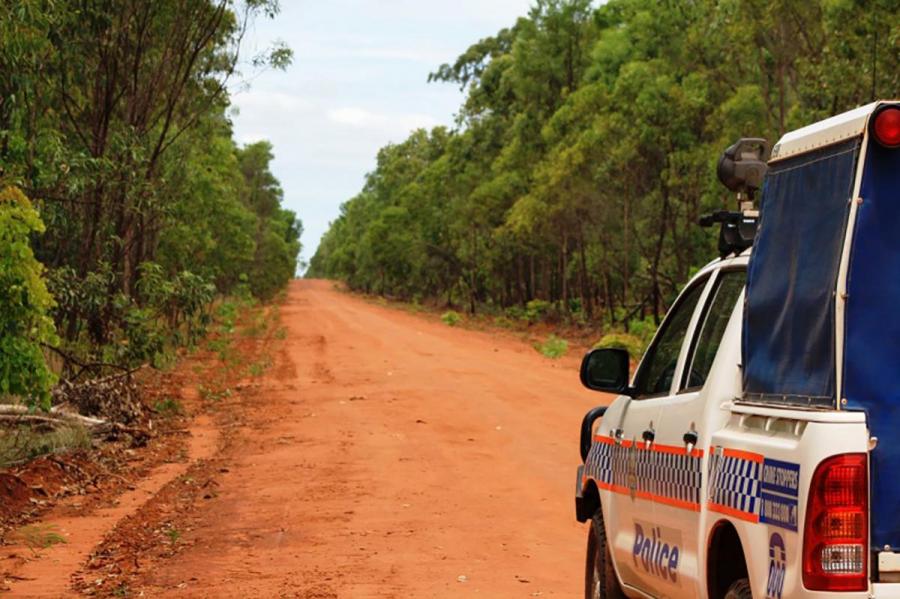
[(886, 126), (836, 537)]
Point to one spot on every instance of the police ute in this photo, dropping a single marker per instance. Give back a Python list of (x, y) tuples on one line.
[(755, 451)]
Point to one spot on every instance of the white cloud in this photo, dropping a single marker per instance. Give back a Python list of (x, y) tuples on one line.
[(358, 82), (250, 137), (263, 101), (356, 117), (394, 123)]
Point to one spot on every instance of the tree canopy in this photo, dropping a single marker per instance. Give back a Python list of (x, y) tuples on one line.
[(585, 149), (114, 122)]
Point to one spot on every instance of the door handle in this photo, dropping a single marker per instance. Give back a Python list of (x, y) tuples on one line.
[(690, 440), (617, 435), (648, 436)]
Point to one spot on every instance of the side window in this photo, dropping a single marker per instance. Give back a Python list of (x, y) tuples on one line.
[(658, 367), (728, 290)]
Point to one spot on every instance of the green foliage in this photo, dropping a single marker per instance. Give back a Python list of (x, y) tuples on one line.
[(503, 322), (173, 534), (258, 368), (536, 310), (151, 208), (553, 347), (212, 394), (227, 314), (168, 407), (631, 343), (451, 318), (25, 303), (586, 151), (644, 330), (40, 536)]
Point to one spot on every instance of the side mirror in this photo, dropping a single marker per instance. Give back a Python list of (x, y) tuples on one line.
[(606, 370)]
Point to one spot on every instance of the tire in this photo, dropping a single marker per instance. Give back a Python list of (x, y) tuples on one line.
[(600, 580), (739, 589)]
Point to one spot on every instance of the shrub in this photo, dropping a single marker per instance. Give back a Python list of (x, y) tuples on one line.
[(536, 310), (644, 330), (25, 304), (515, 313), (554, 347), (633, 344), (504, 322), (451, 318), (168, 407), (144, 337)]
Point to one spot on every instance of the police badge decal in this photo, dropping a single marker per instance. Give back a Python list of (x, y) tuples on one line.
[(631, 472)]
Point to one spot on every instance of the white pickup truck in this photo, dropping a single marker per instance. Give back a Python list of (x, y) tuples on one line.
[(755, 452)]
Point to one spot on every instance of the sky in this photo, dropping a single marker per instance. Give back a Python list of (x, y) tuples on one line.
[(359, 80)]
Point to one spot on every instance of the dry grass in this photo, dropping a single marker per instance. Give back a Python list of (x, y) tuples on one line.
[(21, 443)]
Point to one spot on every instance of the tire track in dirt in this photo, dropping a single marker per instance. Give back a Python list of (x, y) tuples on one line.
[(383, 454), (388, 455), (47, 573)]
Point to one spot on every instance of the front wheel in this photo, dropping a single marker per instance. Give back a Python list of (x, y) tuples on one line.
[(739, 589), (600, 580)]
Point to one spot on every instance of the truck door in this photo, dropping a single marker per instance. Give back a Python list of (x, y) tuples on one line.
[(646, 555), (681, 435)]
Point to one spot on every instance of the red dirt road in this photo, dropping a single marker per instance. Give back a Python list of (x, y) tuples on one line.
[(401, 455), (389, 455)]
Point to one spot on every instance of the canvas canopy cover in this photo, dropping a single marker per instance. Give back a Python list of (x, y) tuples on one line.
[(822, 312)]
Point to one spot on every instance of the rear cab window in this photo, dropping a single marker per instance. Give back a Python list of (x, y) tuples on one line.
[(720, 306)]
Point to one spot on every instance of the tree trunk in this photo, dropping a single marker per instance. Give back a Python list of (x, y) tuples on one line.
[(585, 291)]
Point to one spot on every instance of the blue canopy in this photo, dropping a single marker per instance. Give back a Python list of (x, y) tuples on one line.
[(872, 325), (789, 337), (788, 341)]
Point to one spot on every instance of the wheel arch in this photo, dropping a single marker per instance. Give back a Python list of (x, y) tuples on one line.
[(589, 502), (726, 561)]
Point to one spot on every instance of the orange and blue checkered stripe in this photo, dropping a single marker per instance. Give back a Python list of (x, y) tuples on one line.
[(664, 474), (734, 483)]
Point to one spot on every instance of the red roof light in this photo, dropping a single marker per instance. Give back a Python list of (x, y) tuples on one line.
[(886, 126)]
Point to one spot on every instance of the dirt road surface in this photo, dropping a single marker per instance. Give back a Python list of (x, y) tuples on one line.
[(390, 455)]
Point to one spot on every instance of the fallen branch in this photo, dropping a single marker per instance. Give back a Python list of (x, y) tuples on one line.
[(12, 412)]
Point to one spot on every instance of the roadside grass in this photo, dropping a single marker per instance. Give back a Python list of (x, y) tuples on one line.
[(211, 394), (220, 345), (22, 443), (553, 347), (173, 534), (40, 536), (168, 407), (258, 368), (239, 322), (531, 323), (164, 360), (262, 323), (451, 318), (503, 322)]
